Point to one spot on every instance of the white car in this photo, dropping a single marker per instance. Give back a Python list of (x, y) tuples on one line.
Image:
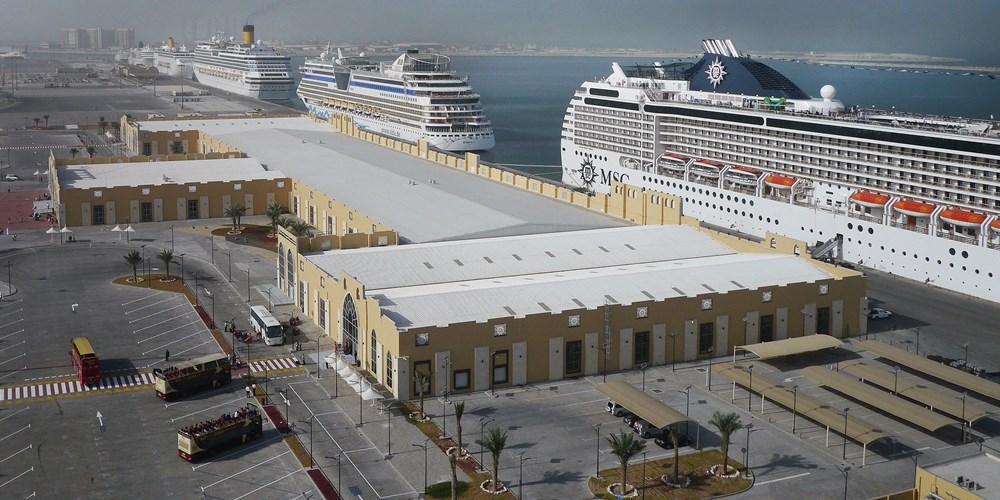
[(879, 313), (11, 177)]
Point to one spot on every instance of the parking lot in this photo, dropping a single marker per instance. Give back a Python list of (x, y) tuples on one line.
[(164, 322)]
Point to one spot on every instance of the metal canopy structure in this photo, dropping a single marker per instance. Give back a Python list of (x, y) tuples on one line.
[(645, 406), (875, 397), (858, 430), (918, 390), (937, 370), (790, 347)]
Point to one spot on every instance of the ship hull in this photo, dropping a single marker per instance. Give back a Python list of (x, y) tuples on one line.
[(239, 87)]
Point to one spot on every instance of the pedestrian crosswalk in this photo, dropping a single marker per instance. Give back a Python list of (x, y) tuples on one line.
[(65, 388), (273, 365)]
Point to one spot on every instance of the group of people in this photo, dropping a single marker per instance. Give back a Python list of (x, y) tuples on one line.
[(222, 421)]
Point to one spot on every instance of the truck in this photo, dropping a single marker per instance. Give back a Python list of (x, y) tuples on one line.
[(211, 371), (241, 426)]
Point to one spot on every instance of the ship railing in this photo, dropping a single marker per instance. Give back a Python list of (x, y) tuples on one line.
[(777, 197), (993, 244), (863, 216), (958, 237), (916, 228), (741, 189)]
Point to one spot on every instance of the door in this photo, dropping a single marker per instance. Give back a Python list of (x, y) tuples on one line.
[(158, 209), (134, 212), (192, 209), (574, 358), (641, 345), (823, 320), (110, 216), (248, 203), (767, 328)]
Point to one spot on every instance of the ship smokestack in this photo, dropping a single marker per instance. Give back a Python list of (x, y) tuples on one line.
[(248, 34), (170, 42)]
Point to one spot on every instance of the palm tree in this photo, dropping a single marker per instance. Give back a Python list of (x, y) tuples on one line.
[(274, 212), (300, 229), (167, 257), (134, 259), (46, 118), (459, 411), (422, 380), (496, 441), (675, 440), (37, 120), (727, 424), (625, 446), (234, 212), (453, 462), (74, 151)]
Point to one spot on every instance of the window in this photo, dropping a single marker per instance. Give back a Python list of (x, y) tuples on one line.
[(291, 269), (500, 361), (389, 373), (177, 147), (349, 329), (706, 338), (422, 370), (192, 209), (330, 225), (767, 328), (147, 149), (98, 211), (281, 266), (312, 215), (422, 339), (461, 379), (823, 320), (322, 314), (499, 330), (574, 357), (322, 282), (146, 212), (642, 312), (641, 347), (573, 320), (373, 360)]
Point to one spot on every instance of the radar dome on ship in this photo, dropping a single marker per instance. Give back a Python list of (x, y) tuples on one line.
[(828, 92)]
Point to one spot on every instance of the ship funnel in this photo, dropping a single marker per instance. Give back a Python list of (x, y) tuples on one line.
[(617, 74), (248, 34), (170, 42)]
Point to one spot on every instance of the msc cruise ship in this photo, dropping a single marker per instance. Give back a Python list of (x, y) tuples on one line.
[(247, 68), (749, 151), (415, 97), (172, 60)]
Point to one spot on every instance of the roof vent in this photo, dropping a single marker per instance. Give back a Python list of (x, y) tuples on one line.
[(509, 310), (487, 259), (630, 247), (550, 254), (604, 249), (429, 266), (577, 302), (459, 262)]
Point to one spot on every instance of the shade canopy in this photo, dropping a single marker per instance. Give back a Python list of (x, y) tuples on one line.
[(792, 346), (937, 370), (645, 406)]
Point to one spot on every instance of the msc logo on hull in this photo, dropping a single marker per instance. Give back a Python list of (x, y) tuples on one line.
[(590, 175)]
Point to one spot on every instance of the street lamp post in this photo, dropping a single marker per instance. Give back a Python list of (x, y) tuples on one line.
[(895, 381), (917, 331), (687, 407), (845, 432), (643, 366), (845, 470), (482, 439), (444, 415), (209, 293), (424, 446), (182, 267), (964, 394), (795, 400), (750, 387), (520, 475), (229, 261), (197, 302), (171, 237), (673, 352), (248, 283), (643, 476), (746, 463), (597, 429), (966, 348)]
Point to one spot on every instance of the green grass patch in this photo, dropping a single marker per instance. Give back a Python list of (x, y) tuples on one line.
[(443, 490)]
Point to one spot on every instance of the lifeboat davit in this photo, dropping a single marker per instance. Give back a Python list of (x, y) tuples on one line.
[(914, 208), (673, 161), (963, 218), (706, 168), (780, 181), (871, 200), (743, 175)]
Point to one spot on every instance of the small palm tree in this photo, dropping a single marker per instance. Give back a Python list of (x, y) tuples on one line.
[(495, 442), (675, 440), (625, 446), (274, 212), (300, 229), (459, 411), (727, 424), (235, 212), (453, 463), (37, 120), (422, 380), (74, 151), (167, 257), (134, 259), (46, 118)]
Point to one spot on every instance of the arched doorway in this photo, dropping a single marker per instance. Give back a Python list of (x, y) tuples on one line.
[(281, 266), (290, 264), (349, 327)]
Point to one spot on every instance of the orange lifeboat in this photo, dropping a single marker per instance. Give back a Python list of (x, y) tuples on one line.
[(871, 199), (961, 217), (914, 208), (996, 225), (780, 181)]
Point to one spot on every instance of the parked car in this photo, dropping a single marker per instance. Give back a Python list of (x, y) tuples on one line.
[(665, 442), (616, 409), (879, 313), (11, 177), (647, 430)]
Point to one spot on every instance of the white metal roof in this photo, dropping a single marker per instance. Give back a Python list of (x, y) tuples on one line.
[(419, 199), (155, 173), (443, 262)]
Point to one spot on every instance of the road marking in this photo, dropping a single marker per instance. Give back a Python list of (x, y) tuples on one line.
[(15, 357), (66, 388), (265, 486), (11, 312), (22, 450), (203, 488), (15, 432), (5, 483), (761, 483), (15, 413), (12, 322), (270, 365), (12, 333), (162, 322), (172, 343), (258, 444), (14, 345), (224, 403), (161, 311), (142, 298), (147, 339)]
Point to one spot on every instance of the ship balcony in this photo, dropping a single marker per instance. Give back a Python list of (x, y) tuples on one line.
[(916, 228), (740, 188), (776, 195), (863, 216), (706, 181), (964, 238)]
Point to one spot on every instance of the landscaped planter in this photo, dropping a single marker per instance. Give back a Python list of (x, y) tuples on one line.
[(487, 486), (634, 492), (682, 481), (463, 456), (415, 416), (167, 280), (731, 472)]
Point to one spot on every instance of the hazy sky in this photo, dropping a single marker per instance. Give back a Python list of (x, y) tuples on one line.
[(964, 28)]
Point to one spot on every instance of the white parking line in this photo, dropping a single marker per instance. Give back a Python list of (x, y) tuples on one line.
[(14, 345), (254, 466), (761, 483), (147, 339), (11, 480), (12, 322), (182, 352), (162, 322), (172, 343), (142, 298), (11, 312), (15, 413), (268, 484), (161, 311), (12, 333), (262, 443), (22, 450), (15, 432)]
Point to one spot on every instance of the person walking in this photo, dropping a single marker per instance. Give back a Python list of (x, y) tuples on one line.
[(247, 389), (166, 356)]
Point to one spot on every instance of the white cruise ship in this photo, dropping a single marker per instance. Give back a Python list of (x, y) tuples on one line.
[(749, 151), (174, 61), (141, 56), (248, 68), (415, 97)]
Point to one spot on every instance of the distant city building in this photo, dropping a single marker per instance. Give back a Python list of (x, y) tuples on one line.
[(98, 38)]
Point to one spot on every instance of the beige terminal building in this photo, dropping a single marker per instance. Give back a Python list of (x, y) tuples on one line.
[(507, 311)]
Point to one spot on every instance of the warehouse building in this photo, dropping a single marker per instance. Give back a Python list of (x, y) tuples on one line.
[(89, 193), (496, 312)]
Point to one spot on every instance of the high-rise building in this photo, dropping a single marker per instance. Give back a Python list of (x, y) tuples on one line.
[(98, 38), (124, 38)]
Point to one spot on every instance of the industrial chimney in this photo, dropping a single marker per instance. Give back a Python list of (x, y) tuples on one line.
[(248, 34)]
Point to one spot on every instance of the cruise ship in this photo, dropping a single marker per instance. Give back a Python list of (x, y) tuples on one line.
[(248, 68), (172, 60), (142, 56), (748, 151), (415, 97)]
